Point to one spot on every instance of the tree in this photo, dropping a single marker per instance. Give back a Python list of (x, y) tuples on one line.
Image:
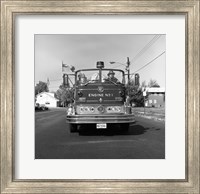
[(65, 95), (136, 97), (153, 84), (41, 87), (135, 94)]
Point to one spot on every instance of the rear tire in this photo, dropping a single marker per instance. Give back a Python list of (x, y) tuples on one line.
[(73, 128)]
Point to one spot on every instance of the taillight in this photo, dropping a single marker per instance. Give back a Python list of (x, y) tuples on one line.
[(87, 109), (92, 109), (113, 109), (100, 109)]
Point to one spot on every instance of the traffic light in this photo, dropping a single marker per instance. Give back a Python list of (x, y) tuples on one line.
[(137, 79)]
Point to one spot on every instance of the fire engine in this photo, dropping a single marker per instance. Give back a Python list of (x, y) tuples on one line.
[(98, 99)]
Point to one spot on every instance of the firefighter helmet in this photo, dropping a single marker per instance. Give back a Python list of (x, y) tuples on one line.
[(111, 72), (81, 75)]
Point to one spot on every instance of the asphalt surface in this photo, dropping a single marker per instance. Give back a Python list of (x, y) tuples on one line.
[(144, 140)]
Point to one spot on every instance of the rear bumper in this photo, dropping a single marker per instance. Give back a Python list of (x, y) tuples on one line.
[(83, 119)]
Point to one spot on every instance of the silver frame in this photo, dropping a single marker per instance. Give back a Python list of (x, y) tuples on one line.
[(9, 9)]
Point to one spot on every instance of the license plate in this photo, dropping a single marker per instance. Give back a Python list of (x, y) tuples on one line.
[(101, 126)]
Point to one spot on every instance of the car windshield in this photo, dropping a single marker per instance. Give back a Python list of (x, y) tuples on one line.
[(92, 76)]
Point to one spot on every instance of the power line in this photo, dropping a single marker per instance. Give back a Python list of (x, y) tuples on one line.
[(149, 44), (149, 62)]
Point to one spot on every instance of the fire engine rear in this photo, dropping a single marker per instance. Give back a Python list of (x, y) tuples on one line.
[(100, 99)]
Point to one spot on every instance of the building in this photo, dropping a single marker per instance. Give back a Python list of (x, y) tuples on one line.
[(48, 99), (155, 97)]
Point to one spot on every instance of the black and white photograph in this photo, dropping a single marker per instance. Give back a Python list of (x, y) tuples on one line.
[(100, 96)]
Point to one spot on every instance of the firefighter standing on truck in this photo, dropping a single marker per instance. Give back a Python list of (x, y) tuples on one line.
[(111, 77), (82, 78)]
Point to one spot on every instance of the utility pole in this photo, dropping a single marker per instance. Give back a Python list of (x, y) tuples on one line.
[(128, 69)]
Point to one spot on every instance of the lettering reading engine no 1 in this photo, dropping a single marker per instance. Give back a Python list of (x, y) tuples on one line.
[(99, 99), (100, 95)]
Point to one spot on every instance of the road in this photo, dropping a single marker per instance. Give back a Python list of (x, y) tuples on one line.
[(145, 139)]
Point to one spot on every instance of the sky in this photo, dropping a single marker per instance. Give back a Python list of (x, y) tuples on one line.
[(146, 54)]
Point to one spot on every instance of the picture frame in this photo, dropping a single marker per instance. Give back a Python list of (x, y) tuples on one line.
[(9, 9)]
